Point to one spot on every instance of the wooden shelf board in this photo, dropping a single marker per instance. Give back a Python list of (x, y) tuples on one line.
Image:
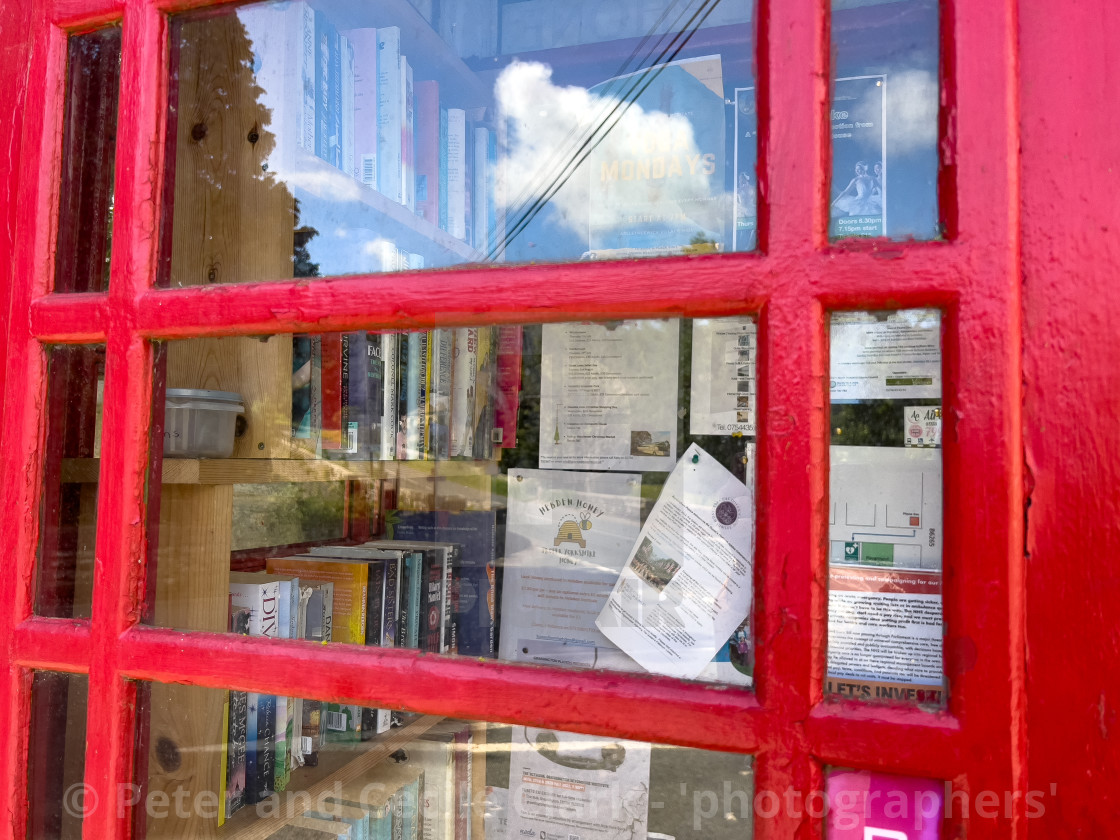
[(338, 764), (283, 471)]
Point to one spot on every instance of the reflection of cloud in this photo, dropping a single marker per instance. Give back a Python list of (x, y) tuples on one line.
[(912, 111), (651, 158)]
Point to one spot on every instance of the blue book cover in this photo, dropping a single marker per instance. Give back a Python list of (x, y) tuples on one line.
[(475, 532)]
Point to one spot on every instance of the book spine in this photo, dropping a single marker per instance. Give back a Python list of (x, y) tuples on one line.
[(415, 600), (508, 392), (452, 578), (463, 765), (390, 113), (331, 387), (346, 50), (236, 759), (404, 596), (322, 87), (413, 793), (398, 822), (434, 587), (311, 729), (306, 74), (441, 199), (408, 137), (483, 415), (427, 133), (457, 173), (262, 755), (375, 395), (334, 83), (481, 225), (439, 399), (315, 397), (390, 393), (364, 44), (282, 770), (464, 359)]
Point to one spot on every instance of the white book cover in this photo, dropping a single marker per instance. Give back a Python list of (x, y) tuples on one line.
[(389, 397), (464, 373), (457, 173), (390, 114), (348, 106), (364, 42), (262, 598)]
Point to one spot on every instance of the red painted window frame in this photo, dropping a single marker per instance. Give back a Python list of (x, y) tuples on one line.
[(796, 278)]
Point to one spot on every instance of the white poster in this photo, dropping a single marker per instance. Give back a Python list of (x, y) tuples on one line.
[(876, 356), (568, 535), (686, 586), (609, 396), (724, 355), (563, 786)]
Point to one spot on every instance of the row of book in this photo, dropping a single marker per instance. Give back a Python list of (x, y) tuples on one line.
[(431, 395), (349, 98), (433, 588), (426, 797)]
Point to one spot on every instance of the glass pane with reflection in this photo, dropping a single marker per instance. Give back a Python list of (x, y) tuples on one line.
[(344, 137), (264, 766), (885, 625), (57, 799), (68, 523), (576, 494), (884, 119)]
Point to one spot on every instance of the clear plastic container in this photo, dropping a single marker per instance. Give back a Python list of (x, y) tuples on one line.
[(200, 424)]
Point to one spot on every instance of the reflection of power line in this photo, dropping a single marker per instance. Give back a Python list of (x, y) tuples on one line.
[(617, 108)]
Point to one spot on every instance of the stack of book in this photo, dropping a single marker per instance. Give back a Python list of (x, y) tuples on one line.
[(432, 589), (432, 395), (352, 99)]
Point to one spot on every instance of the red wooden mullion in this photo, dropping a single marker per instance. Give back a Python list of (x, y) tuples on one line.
[(24, 408), (121, 515), (70, 318)]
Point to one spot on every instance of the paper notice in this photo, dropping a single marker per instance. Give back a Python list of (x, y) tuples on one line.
[(686, 586), (878, 357)]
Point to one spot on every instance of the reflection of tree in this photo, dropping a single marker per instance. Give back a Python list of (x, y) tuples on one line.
[(700, 244), (301, 257)]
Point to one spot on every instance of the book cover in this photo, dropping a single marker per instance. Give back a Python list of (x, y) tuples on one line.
[(475, 533), (390, 114), (427, 134), (463, 379), (457, 173), (507, 394), (672, 179), (364, 44), (350, 580)]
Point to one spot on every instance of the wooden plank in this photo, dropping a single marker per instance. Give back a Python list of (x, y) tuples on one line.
[(471, 479), (233, 223), (192, 593), (293, 806)]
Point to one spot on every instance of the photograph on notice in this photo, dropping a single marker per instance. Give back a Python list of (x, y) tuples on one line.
[(744, 417), (655, 444), (652, 566)]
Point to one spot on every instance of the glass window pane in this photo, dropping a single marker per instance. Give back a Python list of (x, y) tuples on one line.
[(86, 209), (57, 798), (75, 388), (424, 776), (885, 509), (884, 119), (346, 138), (576, 495)]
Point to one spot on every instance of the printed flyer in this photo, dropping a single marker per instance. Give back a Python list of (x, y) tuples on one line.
[(877, 356), (686, 586), (608, 396), (563, 785), (859, 157), (567, 537), (724, 355)]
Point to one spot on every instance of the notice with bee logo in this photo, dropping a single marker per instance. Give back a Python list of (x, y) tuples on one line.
[(568, 535)]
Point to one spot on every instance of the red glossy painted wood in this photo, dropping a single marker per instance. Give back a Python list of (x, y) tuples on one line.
[(978, 745), (1071, 247)]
